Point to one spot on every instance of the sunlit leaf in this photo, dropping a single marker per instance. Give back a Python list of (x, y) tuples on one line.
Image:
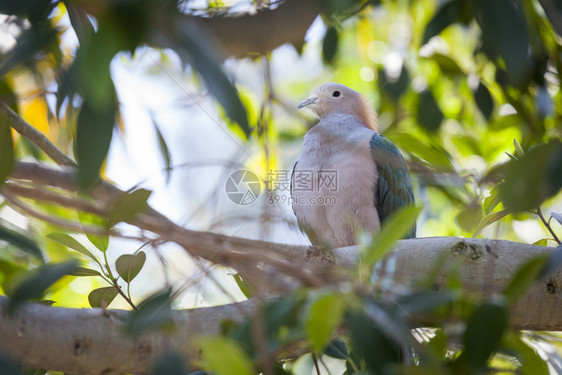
[(244, 287), (72, 243), (323, 316), (6, 148), (483, 334), (127, 206), (492, 201), (330, 44), (394, 229), (531, 361), (428, 114), (81, 271), (34, 285), (169, 363), (469, 217), (22, 242), (128, 266), (541, 242), (489, 219), (222, 356), (155, 312), (525, 277), (518, 149), (101, 242), (102, 297)]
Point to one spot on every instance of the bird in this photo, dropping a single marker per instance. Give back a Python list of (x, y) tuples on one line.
[(348, 178)]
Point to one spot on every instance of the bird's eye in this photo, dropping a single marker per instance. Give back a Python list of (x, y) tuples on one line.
[(336, 94)]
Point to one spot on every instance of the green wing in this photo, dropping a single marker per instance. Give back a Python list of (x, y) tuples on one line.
[(394, 187)]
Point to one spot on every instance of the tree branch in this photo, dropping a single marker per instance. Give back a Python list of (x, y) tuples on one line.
[(92, 341), (244, 35), (35, 136)]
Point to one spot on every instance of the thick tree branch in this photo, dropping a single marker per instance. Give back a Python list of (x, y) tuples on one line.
[(262, 32), (92, 341)]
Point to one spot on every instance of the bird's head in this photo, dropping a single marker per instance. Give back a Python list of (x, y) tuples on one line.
[(335, 98)]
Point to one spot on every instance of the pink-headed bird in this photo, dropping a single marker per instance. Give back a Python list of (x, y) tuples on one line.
[(348, 178)]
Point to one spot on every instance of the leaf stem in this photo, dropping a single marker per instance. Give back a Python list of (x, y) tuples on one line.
[(547, 225)]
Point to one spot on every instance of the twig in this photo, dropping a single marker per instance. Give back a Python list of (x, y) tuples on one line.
[(547, 225), (36, 137)]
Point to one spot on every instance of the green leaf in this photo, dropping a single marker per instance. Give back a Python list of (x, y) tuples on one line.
[(446, 64), (483, 334), (155, 312), (32, 41), (489, 219), (394, 88), (101, 242), (428, 114), (193, 47), (36, 282), (507, 36), (102, 297), (525, 277), (435, 156), (223, 356), (531, 361), (127, 206), (449, 13), (533, 178), (424, 301), (330, 44), (93, 137), (484, 101), (322, 318), (541, 242), (169, 363), (128, 266), (394, 228), (376, 349), (518, 149), (492, 200), (22, 242), (469, 217), (244, 287), (81, 271), (164, 150), (79, 21), (6, 148), (70, 242)]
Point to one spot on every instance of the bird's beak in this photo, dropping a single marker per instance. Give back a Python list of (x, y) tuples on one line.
[(306, 102)]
